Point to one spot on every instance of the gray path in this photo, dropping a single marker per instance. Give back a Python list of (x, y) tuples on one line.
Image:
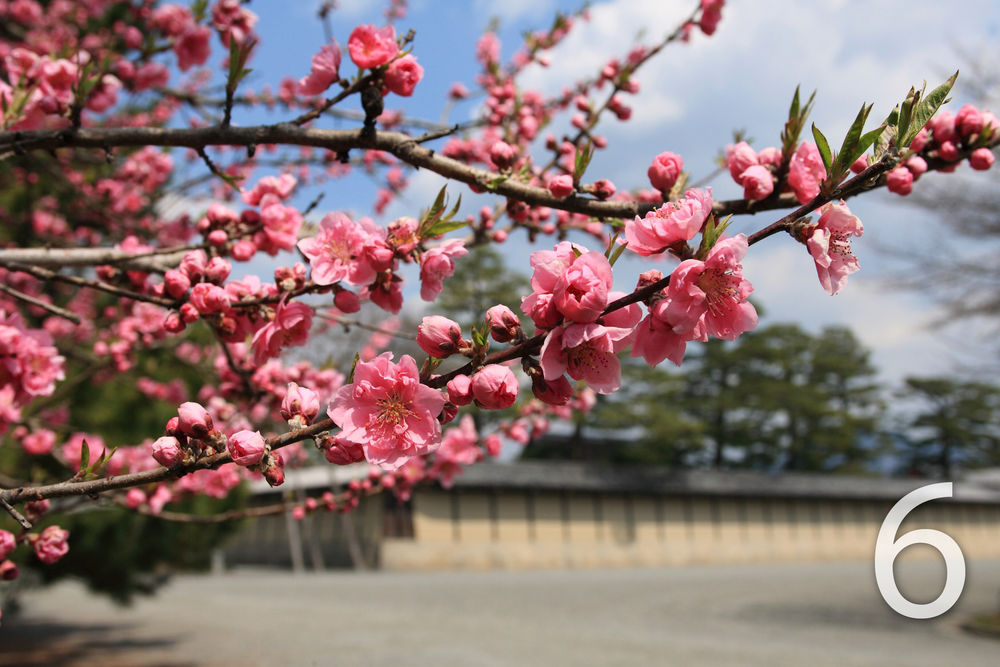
[(801, 614)]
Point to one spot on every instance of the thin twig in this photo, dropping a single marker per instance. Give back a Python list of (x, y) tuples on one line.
[(17, 515), (55, 310), (45, 274)]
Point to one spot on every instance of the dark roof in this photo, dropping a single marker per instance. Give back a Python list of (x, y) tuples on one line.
[(575, 476)]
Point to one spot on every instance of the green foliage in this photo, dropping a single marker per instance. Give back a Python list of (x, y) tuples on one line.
[(955, 425), (779, 398)]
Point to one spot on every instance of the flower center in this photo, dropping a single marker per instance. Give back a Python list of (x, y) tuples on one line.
[(721, 288), (840, 244), (392, 410)]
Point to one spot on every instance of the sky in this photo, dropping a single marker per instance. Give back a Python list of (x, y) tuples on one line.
[(693, 96)]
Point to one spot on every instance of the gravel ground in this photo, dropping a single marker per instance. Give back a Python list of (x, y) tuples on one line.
[(801, 614)]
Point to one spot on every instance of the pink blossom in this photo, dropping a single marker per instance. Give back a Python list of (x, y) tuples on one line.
[(665, 170), (805, 172), (51, 544), (39, 442), (503, 323), (460, 390), (829, 243), (458, 447), (300, 402), (167, 451), (672, 223), (556, 391), (325, 68), (135, 498), (370, 46), (194, 420), (346, 301), (151, 75), (739, 158), (586, 352), (437, 264), (7, 544), (655, 339), (246, 447), (388, 411), (969, 120), (981, 159), (192, 47), (439, 337), (403, 75), (714, 290), (758, 183), (337, 252), (208, 298), (494, 387), (581, 292), (502, 155), (561, 186), (899, 180), (289, 328), (342, 452), (917, 166)]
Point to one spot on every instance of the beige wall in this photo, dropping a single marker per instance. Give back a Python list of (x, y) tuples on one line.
[(508, 529)]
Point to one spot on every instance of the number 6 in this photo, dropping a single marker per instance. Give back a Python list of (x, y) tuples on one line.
[(887, 548)]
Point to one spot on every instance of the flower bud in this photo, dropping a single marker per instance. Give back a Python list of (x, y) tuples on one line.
[(208, 298), (900, 181), (757, 183), (494, 387), (274, 473), (561, 186), (194, 420), (503, 155), (247, 448), (217, 237), (552, 392), (51, 544), (968, 120), (981, 159), (439, 337), (244, 250), (460, 390), (8, 571), (503, 323), (448, 413), (917, 166), (493, 444), (7, 543), (167, 451), (217, 270), (346, 301), (173, 323), (135, 498), (189, 313), (36, 509), (176, 283), (665, 170), (300, 402), (604, 189), (342, 452)]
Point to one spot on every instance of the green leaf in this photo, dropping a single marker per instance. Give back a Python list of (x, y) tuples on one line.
[(851, 140), (793, 110), (443, 227), (824, 148), (84, 459), (927, 108), (864, 142), (583, 158), (616, 253), (354, 365)]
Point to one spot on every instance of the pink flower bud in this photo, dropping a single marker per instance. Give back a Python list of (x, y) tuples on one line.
[(860, 164), (188, 313), (500, 235), (275, 473), (493, 444), (167, 451), (448, 413), (561, 186), (439, 337), (217, 270), (604, 189), (665, 170), (460, 390), (917, 166), (246, 448), (968, 120), (208, 298), (176, 283), (298, 512), (757, 183), (36, 509), (900, 181), (948, 151), (346, 301), (217, 237), (193, 265), (981, 159), (300, 401), (51, 544), (494, 387), (194, 420), (403, 75), (8, 571), (343, 452), (503, 155), (503, 323), (553, 392), (7, 543), (173, 323), (135, 498), (243, 250)]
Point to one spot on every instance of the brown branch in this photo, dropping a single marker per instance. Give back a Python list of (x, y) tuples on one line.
[(45, 274), (17, 515), (55, 310), (64, 257), (114, 483)]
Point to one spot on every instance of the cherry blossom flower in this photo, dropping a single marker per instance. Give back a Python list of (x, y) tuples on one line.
[(458, 448), (289, 328), (714, 290), (403, 75), (388, 411), (494, 387), (370, 46), (337, 252), (51, 544), (436, 265), (586, 352), (805, 172), (325, 68), (674, 222), (665, 170), (246, 447), (829, 243)]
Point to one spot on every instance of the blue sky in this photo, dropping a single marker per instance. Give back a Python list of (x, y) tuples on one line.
[(693, 96)]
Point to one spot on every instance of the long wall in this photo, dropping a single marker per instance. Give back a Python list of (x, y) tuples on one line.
[(525, 528)]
